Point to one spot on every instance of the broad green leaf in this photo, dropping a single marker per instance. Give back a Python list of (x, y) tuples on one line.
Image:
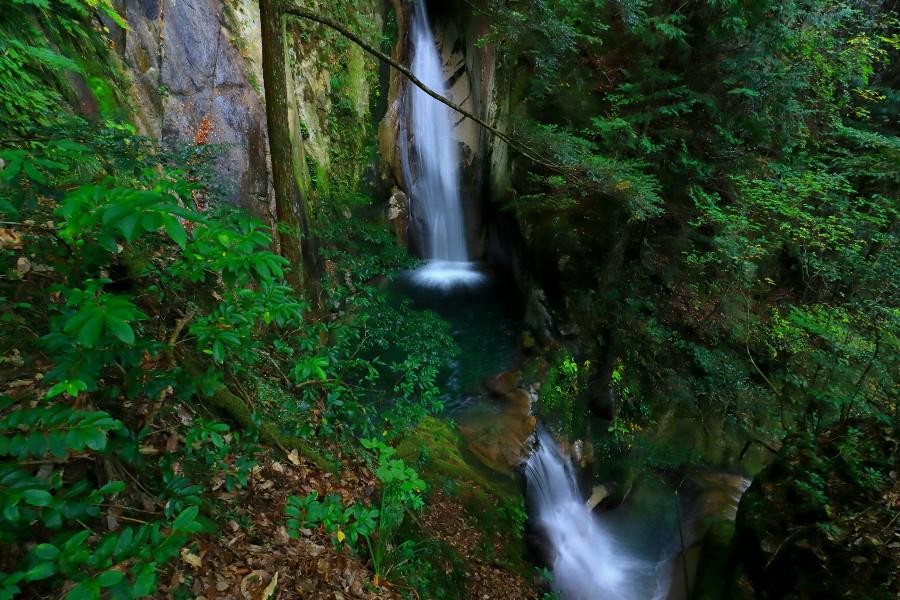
[(129, 225), (120, 328), (123, 543), (186, 517), (176, 231), (76, 541), (40, 571), (86, 590), (33, 172), (91, 331), (218, 351), (110, 578), (57, 389), (151, 221), (46, 551), (56, 441), (145, 582), (95, 439), (113, 487), (37, 497)]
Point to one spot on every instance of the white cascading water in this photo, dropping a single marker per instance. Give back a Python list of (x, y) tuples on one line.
[(431, 165), (587, 562)]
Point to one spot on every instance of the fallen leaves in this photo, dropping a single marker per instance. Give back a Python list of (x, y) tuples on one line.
[(446, 520), (270, 589), (10, 239), (190, 558), (25, 266), (253, 558)]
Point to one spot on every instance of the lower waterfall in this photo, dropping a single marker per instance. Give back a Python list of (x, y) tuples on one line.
[(587, 560)]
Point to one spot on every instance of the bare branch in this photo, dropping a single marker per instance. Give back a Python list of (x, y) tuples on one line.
[(297, 11)]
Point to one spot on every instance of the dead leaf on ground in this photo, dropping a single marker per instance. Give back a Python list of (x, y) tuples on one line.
[(10, 239), (253, 578), (270, 589), (191, 558)]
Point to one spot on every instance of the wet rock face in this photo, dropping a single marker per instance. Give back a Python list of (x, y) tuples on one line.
[(499, 439), (192, 83)]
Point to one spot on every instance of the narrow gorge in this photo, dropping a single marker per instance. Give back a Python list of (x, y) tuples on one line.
[(488, 299)]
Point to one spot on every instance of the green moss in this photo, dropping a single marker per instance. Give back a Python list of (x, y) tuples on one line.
[(107, 97), (343, 119), (357, 91), (715, 573), (320, 180), (494, 501)]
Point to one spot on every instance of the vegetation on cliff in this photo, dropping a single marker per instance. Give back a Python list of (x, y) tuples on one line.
[(159, 373), (724, 230), (708, 196)]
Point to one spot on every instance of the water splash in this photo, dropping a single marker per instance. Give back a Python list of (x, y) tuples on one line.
[(431, 166), (587, 560), (446, 275)]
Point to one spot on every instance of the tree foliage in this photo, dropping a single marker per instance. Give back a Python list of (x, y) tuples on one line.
[(128, 311), (746, 212)]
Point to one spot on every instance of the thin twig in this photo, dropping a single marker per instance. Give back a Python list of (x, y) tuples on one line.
[(131, 508), (169, 357), (277, 367), (132, 520), (789, 538), (303, 384)]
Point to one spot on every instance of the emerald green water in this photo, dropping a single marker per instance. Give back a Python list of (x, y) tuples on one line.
[(485, 322)]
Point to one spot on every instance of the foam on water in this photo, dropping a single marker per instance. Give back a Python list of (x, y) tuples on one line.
[(448, 275)]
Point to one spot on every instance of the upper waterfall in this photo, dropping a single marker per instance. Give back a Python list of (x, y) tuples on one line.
[(431, 166)]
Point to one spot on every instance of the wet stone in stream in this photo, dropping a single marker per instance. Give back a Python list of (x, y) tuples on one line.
[(498, 431)]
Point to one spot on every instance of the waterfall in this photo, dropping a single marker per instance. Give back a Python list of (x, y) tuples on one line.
[(587, 561), (431, 167)]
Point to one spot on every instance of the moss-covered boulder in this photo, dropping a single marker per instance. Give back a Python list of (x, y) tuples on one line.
[(494, 501)]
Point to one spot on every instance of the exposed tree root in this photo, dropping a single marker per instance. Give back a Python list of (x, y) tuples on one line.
[(235, 407)]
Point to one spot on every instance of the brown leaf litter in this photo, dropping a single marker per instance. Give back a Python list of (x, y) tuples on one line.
[(253, 558)]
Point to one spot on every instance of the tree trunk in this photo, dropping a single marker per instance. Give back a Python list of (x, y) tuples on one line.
[(291, 204)]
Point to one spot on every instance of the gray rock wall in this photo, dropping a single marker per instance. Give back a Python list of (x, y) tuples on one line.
[(196, 67)]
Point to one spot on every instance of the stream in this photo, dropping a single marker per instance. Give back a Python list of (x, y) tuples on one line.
[(628, 553)]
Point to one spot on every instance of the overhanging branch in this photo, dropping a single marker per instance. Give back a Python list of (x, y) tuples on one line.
[(291, 9)]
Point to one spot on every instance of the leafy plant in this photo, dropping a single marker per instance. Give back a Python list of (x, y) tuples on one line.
[(401, 492)]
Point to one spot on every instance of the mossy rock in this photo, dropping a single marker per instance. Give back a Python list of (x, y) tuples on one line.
[(717, 575), (493, 501), (820, 522)]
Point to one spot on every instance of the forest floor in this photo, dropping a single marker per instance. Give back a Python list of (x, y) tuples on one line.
[(253, 558)]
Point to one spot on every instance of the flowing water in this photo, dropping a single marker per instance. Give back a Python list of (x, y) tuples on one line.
[(589, 558), (431, 167), (625, 554)]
